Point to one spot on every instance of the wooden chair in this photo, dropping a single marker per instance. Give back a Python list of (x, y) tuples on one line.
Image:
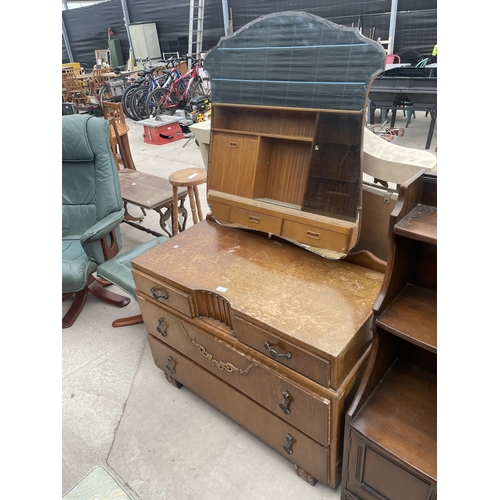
[(97, 79), (74, 90), (113, 110), (118, 134)]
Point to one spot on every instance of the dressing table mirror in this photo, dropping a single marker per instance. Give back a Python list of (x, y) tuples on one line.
[(289, 93)]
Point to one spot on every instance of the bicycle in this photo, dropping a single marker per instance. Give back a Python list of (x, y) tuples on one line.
[(179, 94)]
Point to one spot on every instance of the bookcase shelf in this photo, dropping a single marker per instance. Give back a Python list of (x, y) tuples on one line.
[(390, 445)]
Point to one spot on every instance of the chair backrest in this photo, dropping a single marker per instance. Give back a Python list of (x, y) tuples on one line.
[(113, 110), (97, 75), (70, 81), (90, 183)]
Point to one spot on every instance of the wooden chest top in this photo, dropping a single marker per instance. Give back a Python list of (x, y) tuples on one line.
[(315, 301)]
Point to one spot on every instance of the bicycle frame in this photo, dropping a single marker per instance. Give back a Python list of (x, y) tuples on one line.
[(173, 94)]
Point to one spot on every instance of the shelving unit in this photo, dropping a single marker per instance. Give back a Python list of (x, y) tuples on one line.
[(390, 447), (292, 172)]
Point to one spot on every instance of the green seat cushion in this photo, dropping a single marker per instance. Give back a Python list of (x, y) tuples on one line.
[(118, 269)]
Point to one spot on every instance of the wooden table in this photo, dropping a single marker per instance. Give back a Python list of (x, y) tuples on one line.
[(150, 192)]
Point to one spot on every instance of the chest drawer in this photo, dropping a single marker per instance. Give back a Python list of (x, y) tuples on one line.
[(255, 220), (316, 236), (302, 450), (163, 293), (306, 363), (287, 399)]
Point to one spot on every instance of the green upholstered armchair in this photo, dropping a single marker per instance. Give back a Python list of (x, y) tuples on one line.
[(92, 209)]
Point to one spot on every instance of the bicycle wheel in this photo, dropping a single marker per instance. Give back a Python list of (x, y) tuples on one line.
[(158, 102), (138, 102), (198, 88), (126, 100), (104, 95)]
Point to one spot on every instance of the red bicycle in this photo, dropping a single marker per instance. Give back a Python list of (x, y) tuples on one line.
[(182, 90)]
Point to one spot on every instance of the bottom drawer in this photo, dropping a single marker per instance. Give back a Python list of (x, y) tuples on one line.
[(304, 452)]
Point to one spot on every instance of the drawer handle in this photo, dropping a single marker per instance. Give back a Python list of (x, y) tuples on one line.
[(255, 220), (158, 328), (286, 446), (274, 354), (233, 145), (284, 402), (156, 296), (311, 234), (168, 367)]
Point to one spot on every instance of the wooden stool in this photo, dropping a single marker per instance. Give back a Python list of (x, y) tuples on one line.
[(190, 178)]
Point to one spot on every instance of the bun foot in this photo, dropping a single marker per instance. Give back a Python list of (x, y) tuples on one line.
[(304, 475)]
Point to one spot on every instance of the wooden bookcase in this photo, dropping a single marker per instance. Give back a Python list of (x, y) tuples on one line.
[(390, 442), (292, 172)]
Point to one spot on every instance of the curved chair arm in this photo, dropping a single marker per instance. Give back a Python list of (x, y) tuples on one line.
[(102, 228)]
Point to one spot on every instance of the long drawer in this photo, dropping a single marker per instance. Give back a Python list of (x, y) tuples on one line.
[(287, 399), (281, 436)]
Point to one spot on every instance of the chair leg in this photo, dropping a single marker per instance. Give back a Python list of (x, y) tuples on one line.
[(75, 309), (131, 320), (105, 295)]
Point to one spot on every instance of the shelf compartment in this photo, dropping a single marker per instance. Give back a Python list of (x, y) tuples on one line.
[(419, 224), (412, 315), (400, 417)]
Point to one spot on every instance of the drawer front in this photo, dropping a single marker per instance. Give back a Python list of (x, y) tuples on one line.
[(287, 399), (305, 452), (220, 211), (256, 220), (313, 367), (315, 236), (163, 294)]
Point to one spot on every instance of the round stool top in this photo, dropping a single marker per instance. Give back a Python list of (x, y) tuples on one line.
[(188, 177)]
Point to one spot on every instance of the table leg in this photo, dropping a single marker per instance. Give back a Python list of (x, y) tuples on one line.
[(431, 128), (193, 204), (175, 211), (198, 204)]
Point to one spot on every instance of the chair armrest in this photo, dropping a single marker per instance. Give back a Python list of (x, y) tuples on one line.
[(102, 228)]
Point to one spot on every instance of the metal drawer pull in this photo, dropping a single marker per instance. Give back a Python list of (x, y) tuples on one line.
[(158, 328), (274, 354), (284, 402), (286, 446), (156, 296), (233, 145), (168, 367), (255, 220)]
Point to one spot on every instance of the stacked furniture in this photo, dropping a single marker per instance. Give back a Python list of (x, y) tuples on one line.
[(260, 309), (391, 430)]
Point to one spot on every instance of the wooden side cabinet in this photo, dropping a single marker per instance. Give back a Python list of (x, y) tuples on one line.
[(390, 446)]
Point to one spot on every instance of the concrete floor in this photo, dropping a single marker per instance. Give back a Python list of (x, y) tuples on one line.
[(119, 411)]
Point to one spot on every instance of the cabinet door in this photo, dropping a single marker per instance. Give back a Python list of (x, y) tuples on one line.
[(233, 160), (373, 475), (334, 183)]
